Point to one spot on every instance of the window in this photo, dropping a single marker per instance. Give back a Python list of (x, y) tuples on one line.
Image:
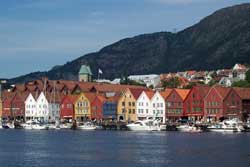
[(129, 103), (133, 103), (123, 103)]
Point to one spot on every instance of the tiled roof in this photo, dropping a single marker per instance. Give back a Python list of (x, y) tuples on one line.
[(166, 93), (101, 98), (244, 93), (72, 98), (136, 92), (53, 97), (223, 91), (203, 89), (150, 94), (90, 96), (182, 92)]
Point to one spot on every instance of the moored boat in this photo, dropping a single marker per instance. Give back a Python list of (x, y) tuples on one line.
[(148, 124), (34, 125), (189, 128), (87, 126), (226, 126)]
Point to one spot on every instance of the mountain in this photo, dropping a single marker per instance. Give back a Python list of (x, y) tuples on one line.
[(217, 41)]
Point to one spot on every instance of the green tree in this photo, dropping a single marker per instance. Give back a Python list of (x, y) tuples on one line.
[(242, 83), (172, 83), (212, 82)]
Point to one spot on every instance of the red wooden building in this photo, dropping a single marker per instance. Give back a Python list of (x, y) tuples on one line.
[(244, 94), (6, 105), (232, 106), (18, 106), (67, 109), (14, 106), (214, 103), (194, 103), (174, 104), (97, 107)]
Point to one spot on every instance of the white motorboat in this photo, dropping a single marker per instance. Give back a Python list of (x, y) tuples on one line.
[(145, 125), (188, 128), (87, 126), (34, 125), (65, 126), (53, 126), (226, 126)]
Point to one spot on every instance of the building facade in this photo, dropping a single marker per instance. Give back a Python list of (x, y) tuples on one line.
[(175, 104), (126, 107), (194, 103), (214, 103), (82, 108)]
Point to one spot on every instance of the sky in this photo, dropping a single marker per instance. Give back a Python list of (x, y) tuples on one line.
[(36, 35)]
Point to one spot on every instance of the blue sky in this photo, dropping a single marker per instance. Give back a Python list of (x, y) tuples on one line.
[(35, 35)]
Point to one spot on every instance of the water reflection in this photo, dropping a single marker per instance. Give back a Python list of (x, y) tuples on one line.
[(115, 148)]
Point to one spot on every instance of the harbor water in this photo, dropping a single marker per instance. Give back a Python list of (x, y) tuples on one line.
[(67, 148)]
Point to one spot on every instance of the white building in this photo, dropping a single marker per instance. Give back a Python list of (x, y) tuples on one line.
[(150, 104), (239, 67), (144, 106), (158, 106), (30, 108), (151, 79), (45, 108)]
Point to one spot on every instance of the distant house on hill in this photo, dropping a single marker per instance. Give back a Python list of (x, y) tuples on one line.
[(151, 79)]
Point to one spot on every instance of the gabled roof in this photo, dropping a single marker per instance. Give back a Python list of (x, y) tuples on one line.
[(53, 97), (136, 92), (203, 89), (166, 93), (223, 91), (90, 96), (72, 98), (150, 94), (101, 98), (244, 93), (182, 92)]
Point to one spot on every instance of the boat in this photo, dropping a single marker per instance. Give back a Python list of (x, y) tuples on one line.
[(34, 125), (65, 126), (54, 126), (226, 126), (189, 128), (148, 124), (8, 125), (87, 126)]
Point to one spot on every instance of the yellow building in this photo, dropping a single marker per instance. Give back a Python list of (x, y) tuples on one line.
[(126, 107), (82, 108)]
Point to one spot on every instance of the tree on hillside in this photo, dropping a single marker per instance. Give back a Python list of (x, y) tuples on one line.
[(172, 83), (242, 83)]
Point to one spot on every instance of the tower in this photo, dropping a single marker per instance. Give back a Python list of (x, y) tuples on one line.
[(85, 74)]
